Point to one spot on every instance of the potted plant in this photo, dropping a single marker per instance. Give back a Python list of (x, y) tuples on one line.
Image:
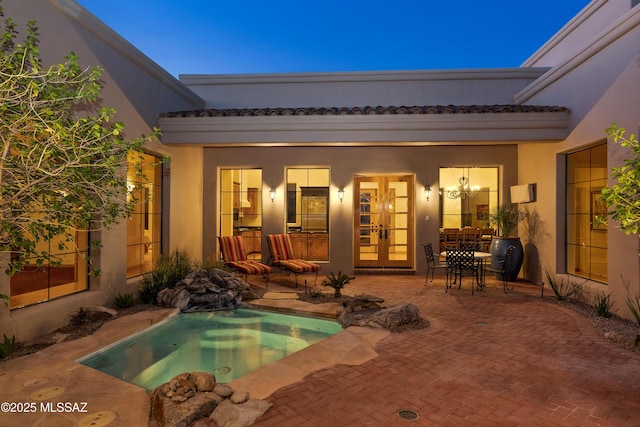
[(337, 282), (506, 217)]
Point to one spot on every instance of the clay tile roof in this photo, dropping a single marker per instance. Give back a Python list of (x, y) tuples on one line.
[(320, 111)]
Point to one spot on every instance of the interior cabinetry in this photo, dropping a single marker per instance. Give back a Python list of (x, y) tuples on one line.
[(251, 241), (253, 197), (310, 246)]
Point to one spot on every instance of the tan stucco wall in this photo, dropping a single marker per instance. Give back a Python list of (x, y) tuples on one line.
[(345, 162), (139, 90)]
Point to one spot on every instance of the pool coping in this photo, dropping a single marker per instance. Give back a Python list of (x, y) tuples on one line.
[(57, 366)]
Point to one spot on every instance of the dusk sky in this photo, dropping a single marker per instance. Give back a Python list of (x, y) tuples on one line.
[(229, 37)]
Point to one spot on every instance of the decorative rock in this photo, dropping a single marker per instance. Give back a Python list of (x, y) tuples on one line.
[(388, 318), (205, 291), (239, 396), (223, 390), (228, 414), (204, 381), (102, 309)]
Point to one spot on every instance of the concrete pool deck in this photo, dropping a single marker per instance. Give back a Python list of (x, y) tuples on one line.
[(52, 375)]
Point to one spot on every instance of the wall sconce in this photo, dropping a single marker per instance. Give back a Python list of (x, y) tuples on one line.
[(427, 192), (341, 193), (272, 194)]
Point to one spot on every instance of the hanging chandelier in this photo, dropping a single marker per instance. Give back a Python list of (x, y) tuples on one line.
[(463, 190)]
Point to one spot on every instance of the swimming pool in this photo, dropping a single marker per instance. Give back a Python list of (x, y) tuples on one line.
[(229, 344)]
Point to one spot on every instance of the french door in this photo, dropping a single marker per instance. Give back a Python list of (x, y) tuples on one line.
[(383, 221)]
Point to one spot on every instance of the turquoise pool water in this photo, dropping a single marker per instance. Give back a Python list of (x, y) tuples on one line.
[(228, 343)]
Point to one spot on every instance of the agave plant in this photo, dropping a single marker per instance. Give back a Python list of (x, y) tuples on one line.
[(337, 282)]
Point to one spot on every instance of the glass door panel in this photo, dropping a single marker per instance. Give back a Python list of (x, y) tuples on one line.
[(384, 221)]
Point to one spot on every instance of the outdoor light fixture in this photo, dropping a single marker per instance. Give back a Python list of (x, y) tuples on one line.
[(341, 193), (427, 192), (272, 194)]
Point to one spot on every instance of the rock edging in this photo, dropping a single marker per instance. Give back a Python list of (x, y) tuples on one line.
[(188, 397)]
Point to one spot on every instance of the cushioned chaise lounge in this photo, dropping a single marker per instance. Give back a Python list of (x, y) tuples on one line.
[(235, 258), (282, 257)]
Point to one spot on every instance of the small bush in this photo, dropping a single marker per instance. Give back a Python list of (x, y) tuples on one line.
[(80, 317), (211, 263), (632, 302), (314, 292), (337, 282), (603, 304), (167, 271), (7, 347), (125, 300), (562, 288)]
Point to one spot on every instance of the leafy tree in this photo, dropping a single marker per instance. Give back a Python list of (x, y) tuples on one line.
[(623, 198), (62, 157)]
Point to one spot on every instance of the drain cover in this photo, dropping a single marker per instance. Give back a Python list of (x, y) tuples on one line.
[(97, 419), (223, 370), (407, 414), (46, 393)]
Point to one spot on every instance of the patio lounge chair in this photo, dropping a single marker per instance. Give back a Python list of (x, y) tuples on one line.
[(235, 258), (282, 257)]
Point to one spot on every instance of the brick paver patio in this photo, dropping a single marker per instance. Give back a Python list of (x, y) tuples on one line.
[(488, 359)]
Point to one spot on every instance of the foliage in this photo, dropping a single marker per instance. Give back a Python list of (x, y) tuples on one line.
[(603, 304), (62, 156), (623, 199), (506, 217), (337, 282), (562, 288), (211, 263), (80, 317), (314, 292), (125, 300), (167, 271), (7, 347), (632, 302)]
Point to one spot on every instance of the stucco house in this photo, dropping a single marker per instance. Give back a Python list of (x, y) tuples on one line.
[(359, 168)]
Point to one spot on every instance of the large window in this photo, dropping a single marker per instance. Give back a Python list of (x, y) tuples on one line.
[(586, 243), (241, 208), (33, 285), (467, 196), (144, 224), (307, 214)]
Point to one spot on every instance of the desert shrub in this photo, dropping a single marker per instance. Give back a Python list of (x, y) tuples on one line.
[(603, 304), (167, 271), (80, 317), (211, 263), (7, 346), (632, 302), (314, 292), (125, 300), (337, 282), (562, 287)]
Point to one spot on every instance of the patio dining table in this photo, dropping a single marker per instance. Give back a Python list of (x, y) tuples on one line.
[(480, 258)]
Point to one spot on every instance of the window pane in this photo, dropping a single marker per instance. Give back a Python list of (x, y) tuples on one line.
[(144, 224), (241, 208), (307, 212), (586, 243)]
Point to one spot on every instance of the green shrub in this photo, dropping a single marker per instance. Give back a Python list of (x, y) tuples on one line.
[(211, 263), (125, 300), (562, 288), (167, 271), (7, 347), (603, 304), (314, 292), (337, 282), (632, 302), (80, 317)]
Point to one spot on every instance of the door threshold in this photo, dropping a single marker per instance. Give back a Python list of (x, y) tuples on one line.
[(384, 271)]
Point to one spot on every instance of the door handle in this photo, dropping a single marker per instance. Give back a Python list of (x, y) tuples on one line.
[(386, 234), (380, 233)]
